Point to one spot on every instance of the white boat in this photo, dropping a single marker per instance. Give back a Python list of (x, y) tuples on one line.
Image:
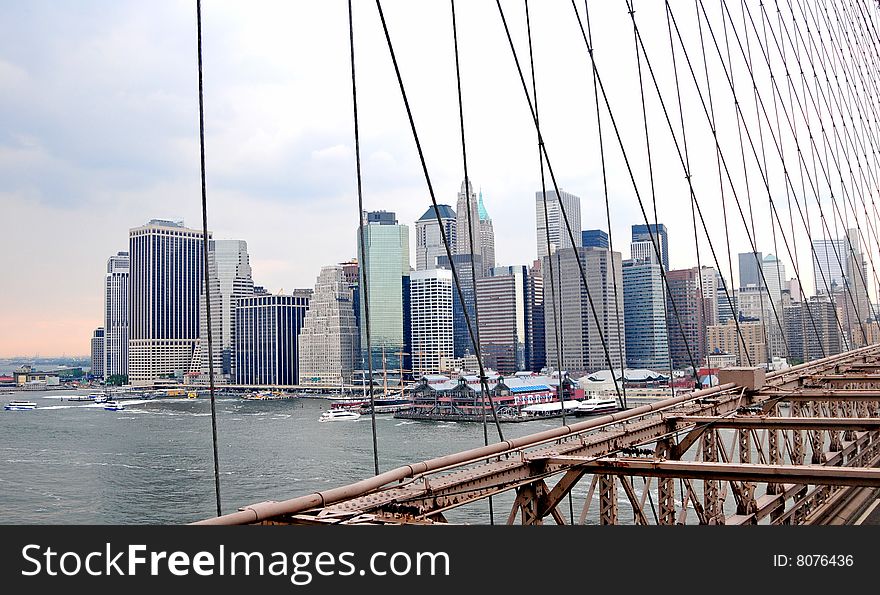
[(596, 405), (20, 406), (339, 414), (113, 406)]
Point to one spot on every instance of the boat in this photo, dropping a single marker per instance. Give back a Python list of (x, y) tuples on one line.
[(20, 406), (113, 406), (596, 405), (339, 415)]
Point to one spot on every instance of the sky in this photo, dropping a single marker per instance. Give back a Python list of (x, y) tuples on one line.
[(99, 134)]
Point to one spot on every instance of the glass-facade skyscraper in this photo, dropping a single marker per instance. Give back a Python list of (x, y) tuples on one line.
[(463, 268), (385, 268), (643, 233), (644, 310)]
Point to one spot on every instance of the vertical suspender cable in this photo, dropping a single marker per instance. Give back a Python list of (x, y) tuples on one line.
[(470, 223), (362, 266), (205, 259)]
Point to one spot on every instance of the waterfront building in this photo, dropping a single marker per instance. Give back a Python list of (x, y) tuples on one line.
[(116, 315), (386, 268), (429, 241), (582, 347), (267, 331), (553, 225), (657, 231), (647, 339), (328, 341), (165, 283), (505, 317), (97, 362), (431, 320)]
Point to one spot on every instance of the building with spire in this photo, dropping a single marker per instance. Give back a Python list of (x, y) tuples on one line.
[(487, 235)]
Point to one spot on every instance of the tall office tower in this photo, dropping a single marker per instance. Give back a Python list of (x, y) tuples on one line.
[(536, 324), (553, 225), (594, 238), (643, 251), (750, 267), (350, 273), (234, 274), (97, 362), (727, 308), (754, 304), (812, 328), (328, 340), (750, 350), (829, 265), (200, 364), (709, 284), (165, 282), (385, 268), (647, 339), (794, 290), (644, 233), (429, 241), (461, 336), (579, 334), (685, 318), (267, 331), (462, 216), (857, 276), (487, 235), (505, 318), (431, 320), (116, 315), (774, 273)]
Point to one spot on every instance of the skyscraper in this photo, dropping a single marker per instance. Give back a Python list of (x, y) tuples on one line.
[(857, 276), (431, 320), (429, 242), (97, 361), (463, 234), (829, 265), (505, 318), (385, 267), (328, 340), (594, 238), (553, 225), (166, 278), (462, 262), (774, 273), (644, 233), (580, 339), (267, 331), (536, 324), (487, 235), (647, 340), (116, 315), (685, 318), (750, 264)]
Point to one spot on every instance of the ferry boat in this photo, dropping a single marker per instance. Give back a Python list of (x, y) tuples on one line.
[(20, 406), (339, 415), (88, 398), (596, 405), (363, 406), (113, 406)]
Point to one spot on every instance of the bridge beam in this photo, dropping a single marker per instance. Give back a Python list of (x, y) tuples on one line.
[(782, 423)]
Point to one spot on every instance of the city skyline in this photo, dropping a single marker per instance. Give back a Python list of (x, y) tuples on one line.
[(123, 146)]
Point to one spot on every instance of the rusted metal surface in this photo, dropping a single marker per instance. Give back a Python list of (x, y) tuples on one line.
[(670, 429)]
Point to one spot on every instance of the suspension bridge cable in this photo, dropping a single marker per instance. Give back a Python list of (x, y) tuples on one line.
[(362, 267), (617, 302), (443, 236), (558, 327), (477, 346), (577, 255), (205, 259)]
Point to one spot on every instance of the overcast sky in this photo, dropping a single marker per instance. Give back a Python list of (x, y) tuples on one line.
[(99, 133)]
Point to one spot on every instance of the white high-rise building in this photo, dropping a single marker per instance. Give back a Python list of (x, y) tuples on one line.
[(554, 224), (463, 233), (431, 320), (429, 241), (774, 274), (829, 265), (328, 341), (230, 280), (116, 315), (165, 283)]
